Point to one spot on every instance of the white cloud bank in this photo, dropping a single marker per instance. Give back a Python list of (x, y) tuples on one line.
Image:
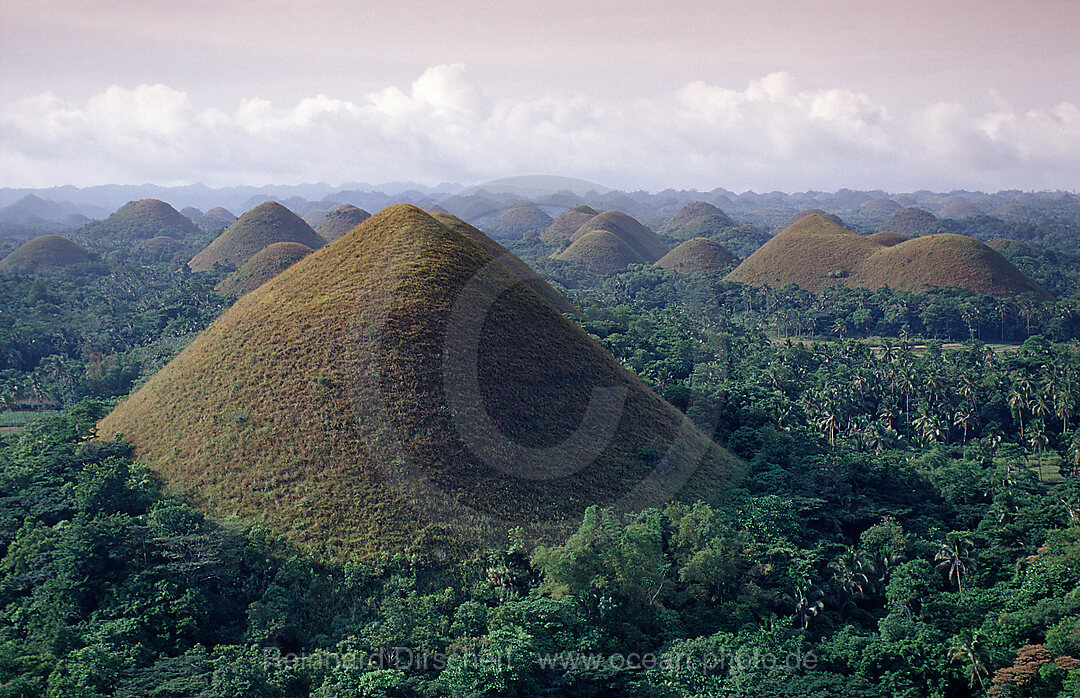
[(772, 134)]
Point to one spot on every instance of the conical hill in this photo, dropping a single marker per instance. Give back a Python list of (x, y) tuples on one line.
[(263, 266), (340, 221), (813, 252), (43, 254), (568, 223), (403, 389), (690, 215), (697, 254), (263, 225)]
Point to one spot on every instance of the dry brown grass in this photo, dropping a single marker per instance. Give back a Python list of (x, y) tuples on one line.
[(263, 266), (340, 221), (564, 227), (812, 253), (263, 225), (316, 404), (44, 253), (887, 238), (939, 261), (690, 213), (697, 254), (910, 221)]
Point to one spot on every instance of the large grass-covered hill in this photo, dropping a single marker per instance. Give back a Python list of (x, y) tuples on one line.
[(403, 388), (267, 223)]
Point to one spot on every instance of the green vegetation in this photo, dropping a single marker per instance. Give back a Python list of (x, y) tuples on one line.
[(902, 517), (136, 221), (911, 222), (695, 219), (260, 227), (519, 220)]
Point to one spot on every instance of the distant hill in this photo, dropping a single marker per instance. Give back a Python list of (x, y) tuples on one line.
[(697, 254), (887, 238), (263, 266), (811, 212), (884, 206), (315, 216), (958, 209), (521, 219), (568, 223), (215, 219), (45, 254), (1015, 212), (910, 221), (815, 253), (360, 402), (32, 207), (267, 223), (629, 230), (532, 186), (191, 213), (139, 220), (942, 260), (812, 253), (695, 219), (340, 221), (612, 240)]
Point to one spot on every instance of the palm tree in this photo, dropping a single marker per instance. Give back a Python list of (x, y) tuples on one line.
[(1038, 442), (1019, 398), (928, 425), (965, 648), (965, 417), (954, 559)]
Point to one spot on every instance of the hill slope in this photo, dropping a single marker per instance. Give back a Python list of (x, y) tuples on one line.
[(692, 213), (910, 221), (141, 220), (942, 260), (363, 401), (263, 225), (340, 221), (521, 219), (626, 228), (263, 266), (697, 254), (43, 254), (812, 253), (215, 219), (887, 238), (568, 223)]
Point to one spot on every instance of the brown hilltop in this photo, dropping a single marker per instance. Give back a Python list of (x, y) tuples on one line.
[(263, 266), (340, 221), (610, 241), (215, 219), (697, 254), (342, 404), (267, 223), (44, 254), (811, 212), (692, 213), (910, 221), (816, 253), (881, 206), (887, 238), (958, 209), (564, 227), (812, 253), (521, 219), (141, 220), (943, 260), (629, 230)]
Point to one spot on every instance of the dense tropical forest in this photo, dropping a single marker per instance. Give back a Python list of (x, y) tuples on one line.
[(909, 524)]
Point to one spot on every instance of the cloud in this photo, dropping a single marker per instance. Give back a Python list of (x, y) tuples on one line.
[(772, 133)]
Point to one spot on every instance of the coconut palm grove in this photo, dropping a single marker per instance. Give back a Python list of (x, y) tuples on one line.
[(416, 443)]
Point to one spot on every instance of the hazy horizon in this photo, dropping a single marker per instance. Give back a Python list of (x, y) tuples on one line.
[(785, 96)]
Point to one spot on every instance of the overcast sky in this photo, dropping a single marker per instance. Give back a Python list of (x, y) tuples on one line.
[(788, 95)]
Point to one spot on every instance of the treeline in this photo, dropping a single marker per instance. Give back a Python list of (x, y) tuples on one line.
[(828, 573), (67, 336)]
